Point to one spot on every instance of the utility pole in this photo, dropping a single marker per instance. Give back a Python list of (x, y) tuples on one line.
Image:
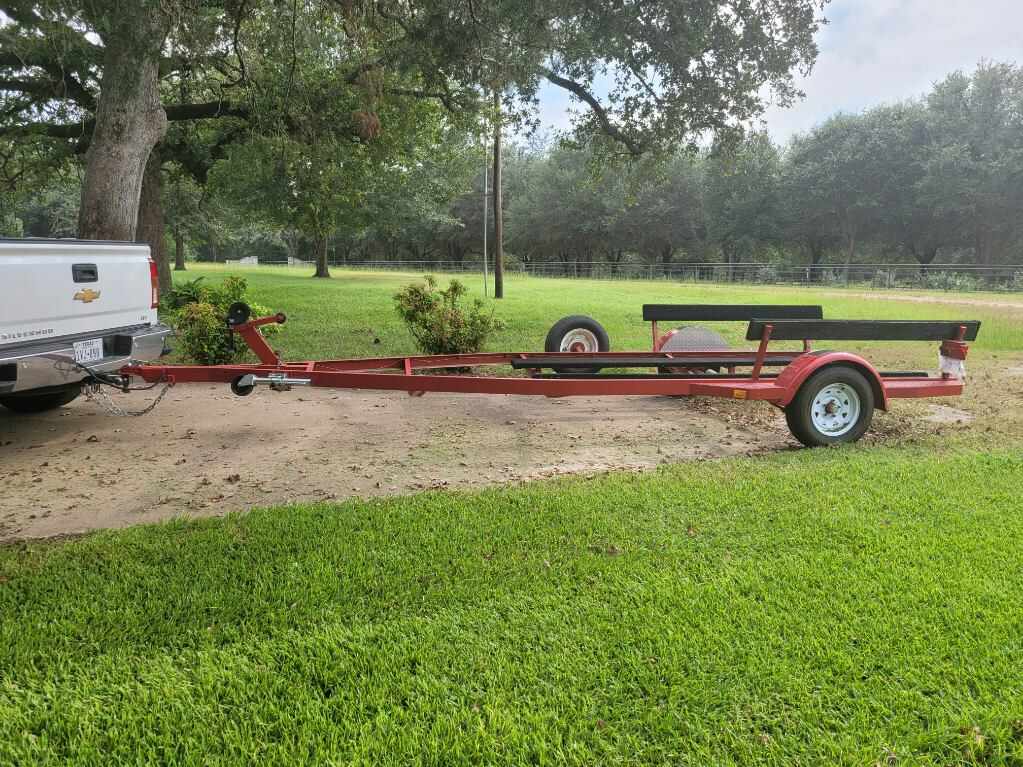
[(498, 212), (486, 286)]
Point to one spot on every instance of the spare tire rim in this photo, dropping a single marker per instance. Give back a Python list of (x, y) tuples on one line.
[(579, 340), (836, 409)]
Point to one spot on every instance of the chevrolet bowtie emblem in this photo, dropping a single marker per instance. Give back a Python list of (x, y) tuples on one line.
[(87, 296)]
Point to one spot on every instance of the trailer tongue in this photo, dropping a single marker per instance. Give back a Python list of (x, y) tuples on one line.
[(828, 396)]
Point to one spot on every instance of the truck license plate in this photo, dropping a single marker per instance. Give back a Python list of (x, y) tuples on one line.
[(88, 351)]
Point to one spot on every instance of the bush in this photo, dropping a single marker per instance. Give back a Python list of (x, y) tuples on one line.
[(950, 281), (440, 323), (184, 293), (198, 313), (202, 335)]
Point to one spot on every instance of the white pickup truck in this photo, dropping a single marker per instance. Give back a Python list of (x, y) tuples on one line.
[(68, 307)]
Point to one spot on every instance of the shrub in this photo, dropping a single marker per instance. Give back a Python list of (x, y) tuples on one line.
[(183, 294), (198, 313), (202, 335), (951, 281), (439, 321)]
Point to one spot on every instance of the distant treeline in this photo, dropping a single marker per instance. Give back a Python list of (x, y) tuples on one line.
[(924, 181), (938, 179)]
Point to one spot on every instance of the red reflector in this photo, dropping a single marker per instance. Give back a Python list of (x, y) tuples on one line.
[(154, 281)]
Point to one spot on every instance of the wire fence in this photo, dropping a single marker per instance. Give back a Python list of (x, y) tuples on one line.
[(951, 277)]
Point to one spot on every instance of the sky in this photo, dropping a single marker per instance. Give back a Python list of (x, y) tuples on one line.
[(877, 51)]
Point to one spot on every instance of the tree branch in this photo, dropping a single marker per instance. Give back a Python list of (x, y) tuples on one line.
[(175, 113), (26, 86), (635, 148), (450, 101), (66, 85), (205, 111), (29, 18)]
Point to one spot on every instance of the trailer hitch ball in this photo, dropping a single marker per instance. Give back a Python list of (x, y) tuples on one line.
[(243, 385)]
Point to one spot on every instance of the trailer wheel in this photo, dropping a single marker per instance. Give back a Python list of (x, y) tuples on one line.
[(242, 390), (577, 333), (29, 402), (833, 406)]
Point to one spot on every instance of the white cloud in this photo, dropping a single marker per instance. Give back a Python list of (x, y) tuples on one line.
[(877, 51)]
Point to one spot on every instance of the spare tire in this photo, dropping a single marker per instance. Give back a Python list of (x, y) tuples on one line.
[(580, 334)]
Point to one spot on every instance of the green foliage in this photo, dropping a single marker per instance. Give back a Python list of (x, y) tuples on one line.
[(202, 336), (198, 311), (10, 225), (949, 281), (439, 320), (185, 292), (741, 197)]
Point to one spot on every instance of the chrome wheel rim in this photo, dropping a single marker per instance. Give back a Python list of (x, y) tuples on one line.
[(579, 340), (836, 409)]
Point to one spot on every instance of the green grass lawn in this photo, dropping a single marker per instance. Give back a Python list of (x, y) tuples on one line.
[(343, 317), (825, 607), (850, 606)]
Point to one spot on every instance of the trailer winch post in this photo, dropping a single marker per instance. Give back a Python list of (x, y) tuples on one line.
[(254, 339)]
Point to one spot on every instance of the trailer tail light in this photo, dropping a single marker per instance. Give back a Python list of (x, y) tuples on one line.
[(154, 282)]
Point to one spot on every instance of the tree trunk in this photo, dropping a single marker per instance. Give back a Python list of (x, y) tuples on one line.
[(322, 269), (816, 249), (983, 255), (130, 121), (179, 252), (730, 260), (150, 228), (498, 205)]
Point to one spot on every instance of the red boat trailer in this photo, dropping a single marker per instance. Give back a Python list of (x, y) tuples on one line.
[(828, 396)]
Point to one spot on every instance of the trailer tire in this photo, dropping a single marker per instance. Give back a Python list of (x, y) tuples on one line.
[(833, 406), (240, 389), (30, 402), (577, 333)]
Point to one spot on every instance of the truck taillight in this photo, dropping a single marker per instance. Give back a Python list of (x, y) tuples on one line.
[(154, 281)]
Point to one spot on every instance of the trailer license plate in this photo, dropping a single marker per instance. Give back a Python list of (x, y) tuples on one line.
[(88, 351)]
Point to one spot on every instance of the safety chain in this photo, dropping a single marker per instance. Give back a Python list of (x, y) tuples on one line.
[(95, 393)]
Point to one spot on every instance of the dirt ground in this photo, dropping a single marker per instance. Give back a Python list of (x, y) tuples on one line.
[(203, 451)]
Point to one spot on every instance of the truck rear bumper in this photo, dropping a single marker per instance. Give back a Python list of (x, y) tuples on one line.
[(42, 365)]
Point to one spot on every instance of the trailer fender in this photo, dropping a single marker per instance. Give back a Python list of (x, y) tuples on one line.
[(795, 374)]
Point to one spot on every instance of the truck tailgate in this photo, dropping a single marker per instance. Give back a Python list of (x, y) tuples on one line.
[(50, 289)]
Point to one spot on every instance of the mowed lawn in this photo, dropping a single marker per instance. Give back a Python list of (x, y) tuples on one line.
[(855, 606), (832, 607), (353, 314)]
